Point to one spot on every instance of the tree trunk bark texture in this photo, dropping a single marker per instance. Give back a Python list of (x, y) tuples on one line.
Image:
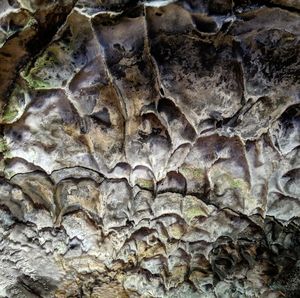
[(149, 148)]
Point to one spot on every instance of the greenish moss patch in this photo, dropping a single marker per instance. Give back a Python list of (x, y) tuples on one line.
[(192, 172), (10, 114), (36, 83), (39, 76), (15, 105), (193, 207), (194, 212), (3, 146), (145, 183)]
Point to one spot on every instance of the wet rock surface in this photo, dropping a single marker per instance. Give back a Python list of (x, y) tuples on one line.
[(149, 148)]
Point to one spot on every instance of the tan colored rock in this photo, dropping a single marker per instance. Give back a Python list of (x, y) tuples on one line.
[(149, 148)]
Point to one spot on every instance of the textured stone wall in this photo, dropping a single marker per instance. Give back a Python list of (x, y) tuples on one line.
[(149, 148)]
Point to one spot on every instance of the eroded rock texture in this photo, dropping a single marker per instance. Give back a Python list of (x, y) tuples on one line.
[(149, 148)]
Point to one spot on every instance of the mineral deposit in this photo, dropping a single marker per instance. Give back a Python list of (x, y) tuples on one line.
[(149, 148)]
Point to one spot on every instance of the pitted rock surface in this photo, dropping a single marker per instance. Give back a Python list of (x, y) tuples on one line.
[(149, 148)]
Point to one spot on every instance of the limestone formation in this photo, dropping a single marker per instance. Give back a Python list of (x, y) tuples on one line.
[(149, 148)]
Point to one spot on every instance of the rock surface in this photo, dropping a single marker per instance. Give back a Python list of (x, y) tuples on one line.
[(149, 148)]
